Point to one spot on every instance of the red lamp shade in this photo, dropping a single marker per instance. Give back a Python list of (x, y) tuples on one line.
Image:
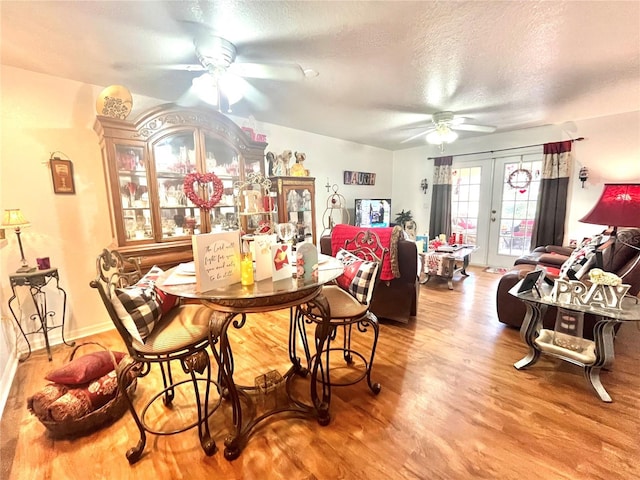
[(619, 206)]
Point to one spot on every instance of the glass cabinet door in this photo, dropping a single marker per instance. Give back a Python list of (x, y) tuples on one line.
[(300, 211), (223, 160), (175, 157), (134, 192)]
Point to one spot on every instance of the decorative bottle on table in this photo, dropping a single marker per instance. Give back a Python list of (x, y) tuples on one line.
[(246, 265)]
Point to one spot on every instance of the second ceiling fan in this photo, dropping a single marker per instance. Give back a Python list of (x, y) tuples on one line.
[(444, 126)]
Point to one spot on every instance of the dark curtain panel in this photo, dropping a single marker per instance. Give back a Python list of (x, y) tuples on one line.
[(552, 198), (440, 215)]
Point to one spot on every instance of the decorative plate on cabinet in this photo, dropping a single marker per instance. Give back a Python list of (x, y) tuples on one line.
[(115, 101)]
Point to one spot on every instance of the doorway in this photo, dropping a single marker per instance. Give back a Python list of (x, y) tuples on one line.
[(493, 205)]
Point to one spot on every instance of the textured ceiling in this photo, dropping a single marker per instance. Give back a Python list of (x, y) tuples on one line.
[(383, 66)]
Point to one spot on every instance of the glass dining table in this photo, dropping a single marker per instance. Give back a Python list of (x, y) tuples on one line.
[(230, 306)]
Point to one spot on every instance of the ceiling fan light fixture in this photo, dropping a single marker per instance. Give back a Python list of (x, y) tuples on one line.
[(231, 87), (442, 135), (206, 87)]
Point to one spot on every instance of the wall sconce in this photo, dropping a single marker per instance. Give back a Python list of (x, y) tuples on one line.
[(424, 185), (583, 175)]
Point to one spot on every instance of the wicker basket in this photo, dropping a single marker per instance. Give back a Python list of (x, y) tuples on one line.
[(98, 418)]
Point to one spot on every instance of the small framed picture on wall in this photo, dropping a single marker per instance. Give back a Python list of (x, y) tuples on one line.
[(62, 175)]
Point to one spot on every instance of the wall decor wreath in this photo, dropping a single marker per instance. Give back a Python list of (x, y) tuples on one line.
[(202, 179), (520, 179)]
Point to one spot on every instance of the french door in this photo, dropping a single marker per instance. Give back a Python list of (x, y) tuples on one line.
[(494, 206)]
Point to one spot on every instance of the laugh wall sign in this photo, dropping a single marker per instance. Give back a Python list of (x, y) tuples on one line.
[(359, 178)]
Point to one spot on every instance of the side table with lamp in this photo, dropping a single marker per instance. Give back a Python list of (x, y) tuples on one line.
[(36, 281)]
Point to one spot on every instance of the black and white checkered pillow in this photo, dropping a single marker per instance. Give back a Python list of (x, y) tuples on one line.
[(138, 309), (358, 276), (581, 260)]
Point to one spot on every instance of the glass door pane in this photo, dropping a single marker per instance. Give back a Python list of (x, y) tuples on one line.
[(134, 192), (175, 156), (465, 204), (515, 198), (222, 159)]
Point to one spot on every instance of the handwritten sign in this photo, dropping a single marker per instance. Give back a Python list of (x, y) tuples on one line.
[(217, 259), (359, 178), (262, 248)]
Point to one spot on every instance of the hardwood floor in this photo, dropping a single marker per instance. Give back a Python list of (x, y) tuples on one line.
[(452, 406)]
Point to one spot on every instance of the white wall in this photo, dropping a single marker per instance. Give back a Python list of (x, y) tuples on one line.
[(611, 152)]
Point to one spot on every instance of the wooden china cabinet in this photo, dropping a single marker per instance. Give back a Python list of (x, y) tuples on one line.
[(146, 161), (296, 204)]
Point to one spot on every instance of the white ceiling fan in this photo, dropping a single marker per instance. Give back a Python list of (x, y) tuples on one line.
[(444, 126), (222, 82)]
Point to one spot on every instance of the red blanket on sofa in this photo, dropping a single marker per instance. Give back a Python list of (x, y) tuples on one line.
[(341, 233)]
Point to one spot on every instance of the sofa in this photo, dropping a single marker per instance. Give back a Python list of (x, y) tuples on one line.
[(395, 299), (623, 260)]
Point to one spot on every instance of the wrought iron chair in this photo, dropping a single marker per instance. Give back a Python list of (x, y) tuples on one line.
[(180, 335), (341, 310)]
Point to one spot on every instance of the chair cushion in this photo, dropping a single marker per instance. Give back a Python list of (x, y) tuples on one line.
[(183, 326), (138, 308), (342, 304), (581, 260), (358, 277), (167, 301)]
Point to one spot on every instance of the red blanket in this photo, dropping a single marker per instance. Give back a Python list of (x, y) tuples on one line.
[(341, 233)]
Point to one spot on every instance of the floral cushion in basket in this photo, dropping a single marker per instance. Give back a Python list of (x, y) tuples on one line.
[(60, 403)]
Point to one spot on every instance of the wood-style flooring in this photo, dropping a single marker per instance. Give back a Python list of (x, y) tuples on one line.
[(452, 406)]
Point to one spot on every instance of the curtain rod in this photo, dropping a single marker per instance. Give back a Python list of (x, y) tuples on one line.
[(579, 139)]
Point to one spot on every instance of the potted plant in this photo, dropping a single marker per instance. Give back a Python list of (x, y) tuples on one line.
[(403, 217), (405, 220)]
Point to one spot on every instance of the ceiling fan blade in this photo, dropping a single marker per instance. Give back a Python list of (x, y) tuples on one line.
[(468, 127), (187, 67), (269, 71), (422, 133)]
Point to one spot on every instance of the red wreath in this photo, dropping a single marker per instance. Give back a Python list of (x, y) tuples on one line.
[(202, 179)]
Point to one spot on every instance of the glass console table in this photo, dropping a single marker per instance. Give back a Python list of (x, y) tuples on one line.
[(594, 355)]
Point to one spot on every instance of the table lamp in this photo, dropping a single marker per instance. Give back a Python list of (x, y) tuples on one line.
[(618, 206), (13, 218)]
